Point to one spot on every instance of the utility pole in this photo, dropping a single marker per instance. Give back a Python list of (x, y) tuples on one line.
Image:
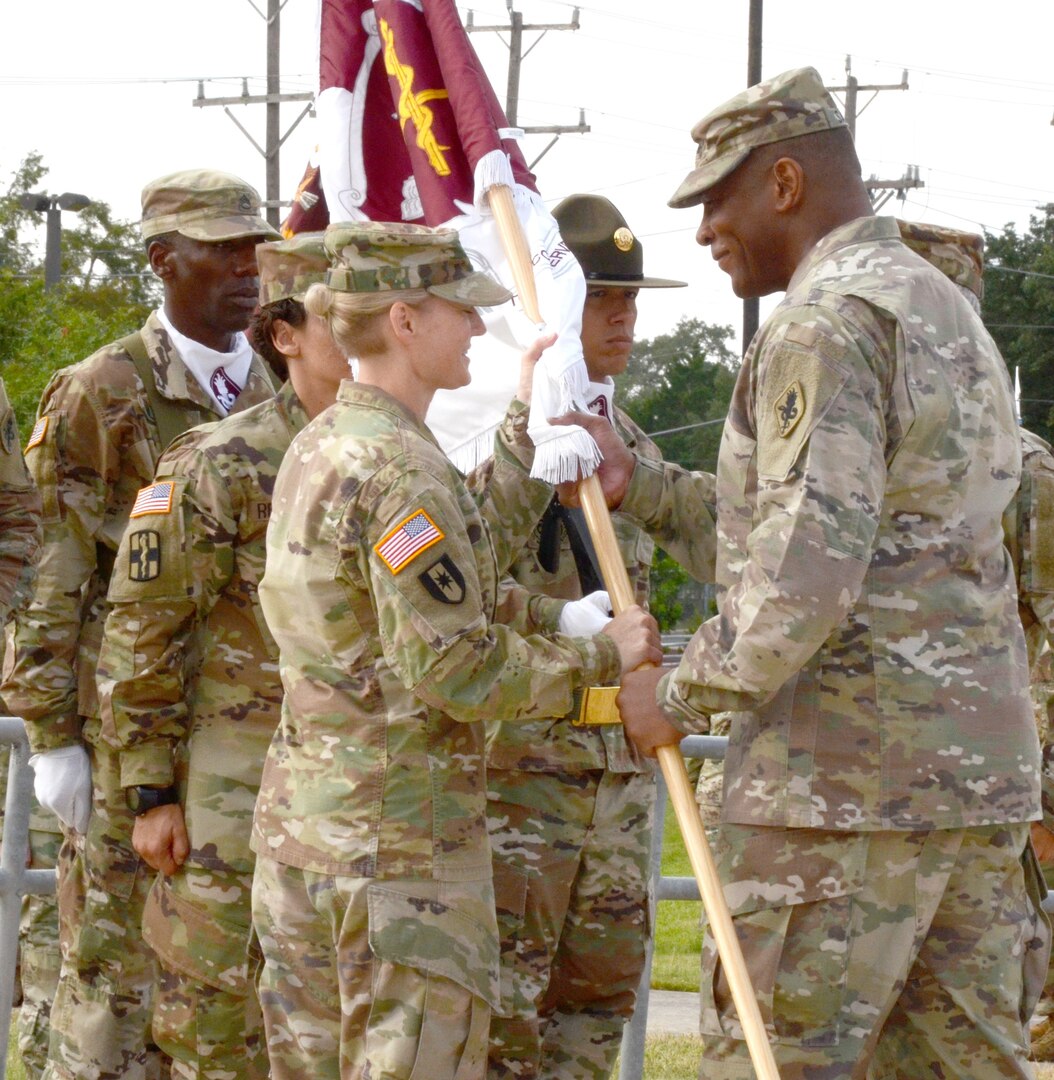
[(751, 306), (515, 29), (273, 99), (880, 191)]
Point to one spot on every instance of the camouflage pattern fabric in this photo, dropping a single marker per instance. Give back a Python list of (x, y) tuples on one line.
[(569, 813), (205, 205), (361, 980), (382, 589), (39, 954), (19, 551), (837, 703), (94, 446), (571, 879), (191, 574), (940, 925), (288, 268), (869, 710), (382, 256), (792, 103), (20, 513)]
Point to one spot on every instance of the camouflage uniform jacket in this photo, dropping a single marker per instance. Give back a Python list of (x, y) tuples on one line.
[(206, 674), (558, 745), (1029, 527), (867, 633), (382, 591), (94, 446), (20, 514)]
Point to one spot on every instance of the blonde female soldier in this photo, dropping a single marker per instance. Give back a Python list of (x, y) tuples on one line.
[(372, 895)]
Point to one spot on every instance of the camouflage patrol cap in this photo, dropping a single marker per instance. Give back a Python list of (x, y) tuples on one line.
[(794, 103), (599, 238), (382, 256), (288, 268), (958, 255), (204, 205)]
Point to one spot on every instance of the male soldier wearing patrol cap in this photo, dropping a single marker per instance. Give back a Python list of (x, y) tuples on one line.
[(883, 763), (569, 807), (101, 427), (192, 736), (372, 895)]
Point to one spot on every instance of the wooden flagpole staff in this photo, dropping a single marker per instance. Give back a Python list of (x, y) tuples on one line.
[(671, 762)]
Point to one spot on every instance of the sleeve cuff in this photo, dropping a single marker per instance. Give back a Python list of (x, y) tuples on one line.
[(645, 490), (147, 766)]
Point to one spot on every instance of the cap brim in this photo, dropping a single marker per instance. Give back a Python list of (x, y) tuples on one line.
[(636, 283), (230, 228), (695, 185), (474, 290)]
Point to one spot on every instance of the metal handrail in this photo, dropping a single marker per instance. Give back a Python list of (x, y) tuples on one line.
[(16, 880), (631, 1062)]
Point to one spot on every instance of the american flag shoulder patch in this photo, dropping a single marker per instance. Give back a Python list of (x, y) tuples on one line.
[(39, 433), (401, 545), (153, 499)]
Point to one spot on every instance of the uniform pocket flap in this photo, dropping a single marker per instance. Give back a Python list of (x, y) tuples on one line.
[(761, 870), (429, 935), (195, 942)]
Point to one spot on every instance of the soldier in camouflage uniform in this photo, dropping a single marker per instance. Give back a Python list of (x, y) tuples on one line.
[(19, 551), (101, 427), (883, 764), (397, 638), (569, 807), (192, 707)]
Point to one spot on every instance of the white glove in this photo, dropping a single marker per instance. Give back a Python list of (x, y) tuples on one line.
[(586, 617), (62, 784)]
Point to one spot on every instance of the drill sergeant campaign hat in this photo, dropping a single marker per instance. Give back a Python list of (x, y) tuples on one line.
[(383, 256), (792, 104), (288, 268), (205, 205), (599, 238)]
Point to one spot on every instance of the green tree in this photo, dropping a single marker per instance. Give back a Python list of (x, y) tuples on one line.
[(677, 388), (105, 291), (1018, 310)]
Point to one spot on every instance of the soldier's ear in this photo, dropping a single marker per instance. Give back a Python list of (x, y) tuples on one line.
[(788, 181), (285, 339), (160, 255)]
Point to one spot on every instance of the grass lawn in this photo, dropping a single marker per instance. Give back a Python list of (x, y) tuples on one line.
[(678, 938)]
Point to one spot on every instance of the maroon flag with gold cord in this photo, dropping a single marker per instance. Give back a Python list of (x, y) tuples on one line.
[(410, 130)]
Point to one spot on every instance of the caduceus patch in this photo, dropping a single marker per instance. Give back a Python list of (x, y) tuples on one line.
[(789, 408), (144, 555)]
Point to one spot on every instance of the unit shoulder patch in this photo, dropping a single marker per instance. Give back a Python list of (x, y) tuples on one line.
[(444, 581), (789, 408), (144, 555)]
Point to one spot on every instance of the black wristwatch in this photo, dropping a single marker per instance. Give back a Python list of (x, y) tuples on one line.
[(143, 799)]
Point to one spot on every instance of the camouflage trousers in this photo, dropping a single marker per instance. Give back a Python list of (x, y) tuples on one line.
[(571, 880), (374, 980), (100, 1020), (40, 956), (886, 955), (206, 1013)]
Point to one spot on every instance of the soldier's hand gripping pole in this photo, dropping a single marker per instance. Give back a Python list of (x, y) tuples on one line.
[(670, 761)]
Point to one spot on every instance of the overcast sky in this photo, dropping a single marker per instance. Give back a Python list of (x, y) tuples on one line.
[(104, 91)]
